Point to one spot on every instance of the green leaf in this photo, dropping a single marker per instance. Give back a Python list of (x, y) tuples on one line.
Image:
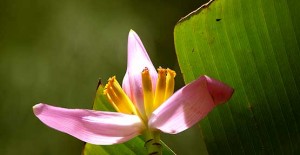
[(252, 45), (132, 147)]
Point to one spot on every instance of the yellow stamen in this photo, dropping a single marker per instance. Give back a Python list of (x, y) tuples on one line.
[(147, 90), (112, 97), (170, 83), (118, 98), (160, 88), (164, 89)]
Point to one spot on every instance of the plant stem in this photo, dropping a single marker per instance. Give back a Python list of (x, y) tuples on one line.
[(152, 142)]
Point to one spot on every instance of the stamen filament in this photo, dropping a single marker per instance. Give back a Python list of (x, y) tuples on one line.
[(170, 83), (160, 88), (148, 93)]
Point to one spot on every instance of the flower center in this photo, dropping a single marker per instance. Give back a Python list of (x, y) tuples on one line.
[(152, 98), (164, 88)]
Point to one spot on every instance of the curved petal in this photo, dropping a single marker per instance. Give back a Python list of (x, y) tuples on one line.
[(137, 61), (189, 105), (95, 127)]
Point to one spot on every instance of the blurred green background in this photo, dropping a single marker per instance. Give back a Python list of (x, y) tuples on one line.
[(55, 51)]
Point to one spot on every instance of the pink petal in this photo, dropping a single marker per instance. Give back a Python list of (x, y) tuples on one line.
[(137, 61), (189, 105), (95, 127)]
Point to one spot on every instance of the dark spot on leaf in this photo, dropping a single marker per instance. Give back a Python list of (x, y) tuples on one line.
[(153, 153), (218, 19), (147, 142), (158, 144)]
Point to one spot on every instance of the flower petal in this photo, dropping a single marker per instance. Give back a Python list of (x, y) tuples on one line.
[(95, 127), (189, 105), (137, 61)]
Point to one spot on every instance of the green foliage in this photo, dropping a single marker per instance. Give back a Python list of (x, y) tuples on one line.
[(252, 45), (132, 147), (54, 51)]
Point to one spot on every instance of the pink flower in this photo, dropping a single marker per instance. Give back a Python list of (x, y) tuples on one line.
[(145, 102)]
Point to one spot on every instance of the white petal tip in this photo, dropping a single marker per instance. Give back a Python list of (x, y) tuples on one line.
[(133, 35), (131, 31), (37, 109)]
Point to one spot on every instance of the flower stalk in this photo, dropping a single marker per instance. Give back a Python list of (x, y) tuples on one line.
[(152, 142)]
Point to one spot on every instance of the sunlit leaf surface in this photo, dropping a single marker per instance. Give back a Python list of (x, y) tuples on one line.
[(252, 45)]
